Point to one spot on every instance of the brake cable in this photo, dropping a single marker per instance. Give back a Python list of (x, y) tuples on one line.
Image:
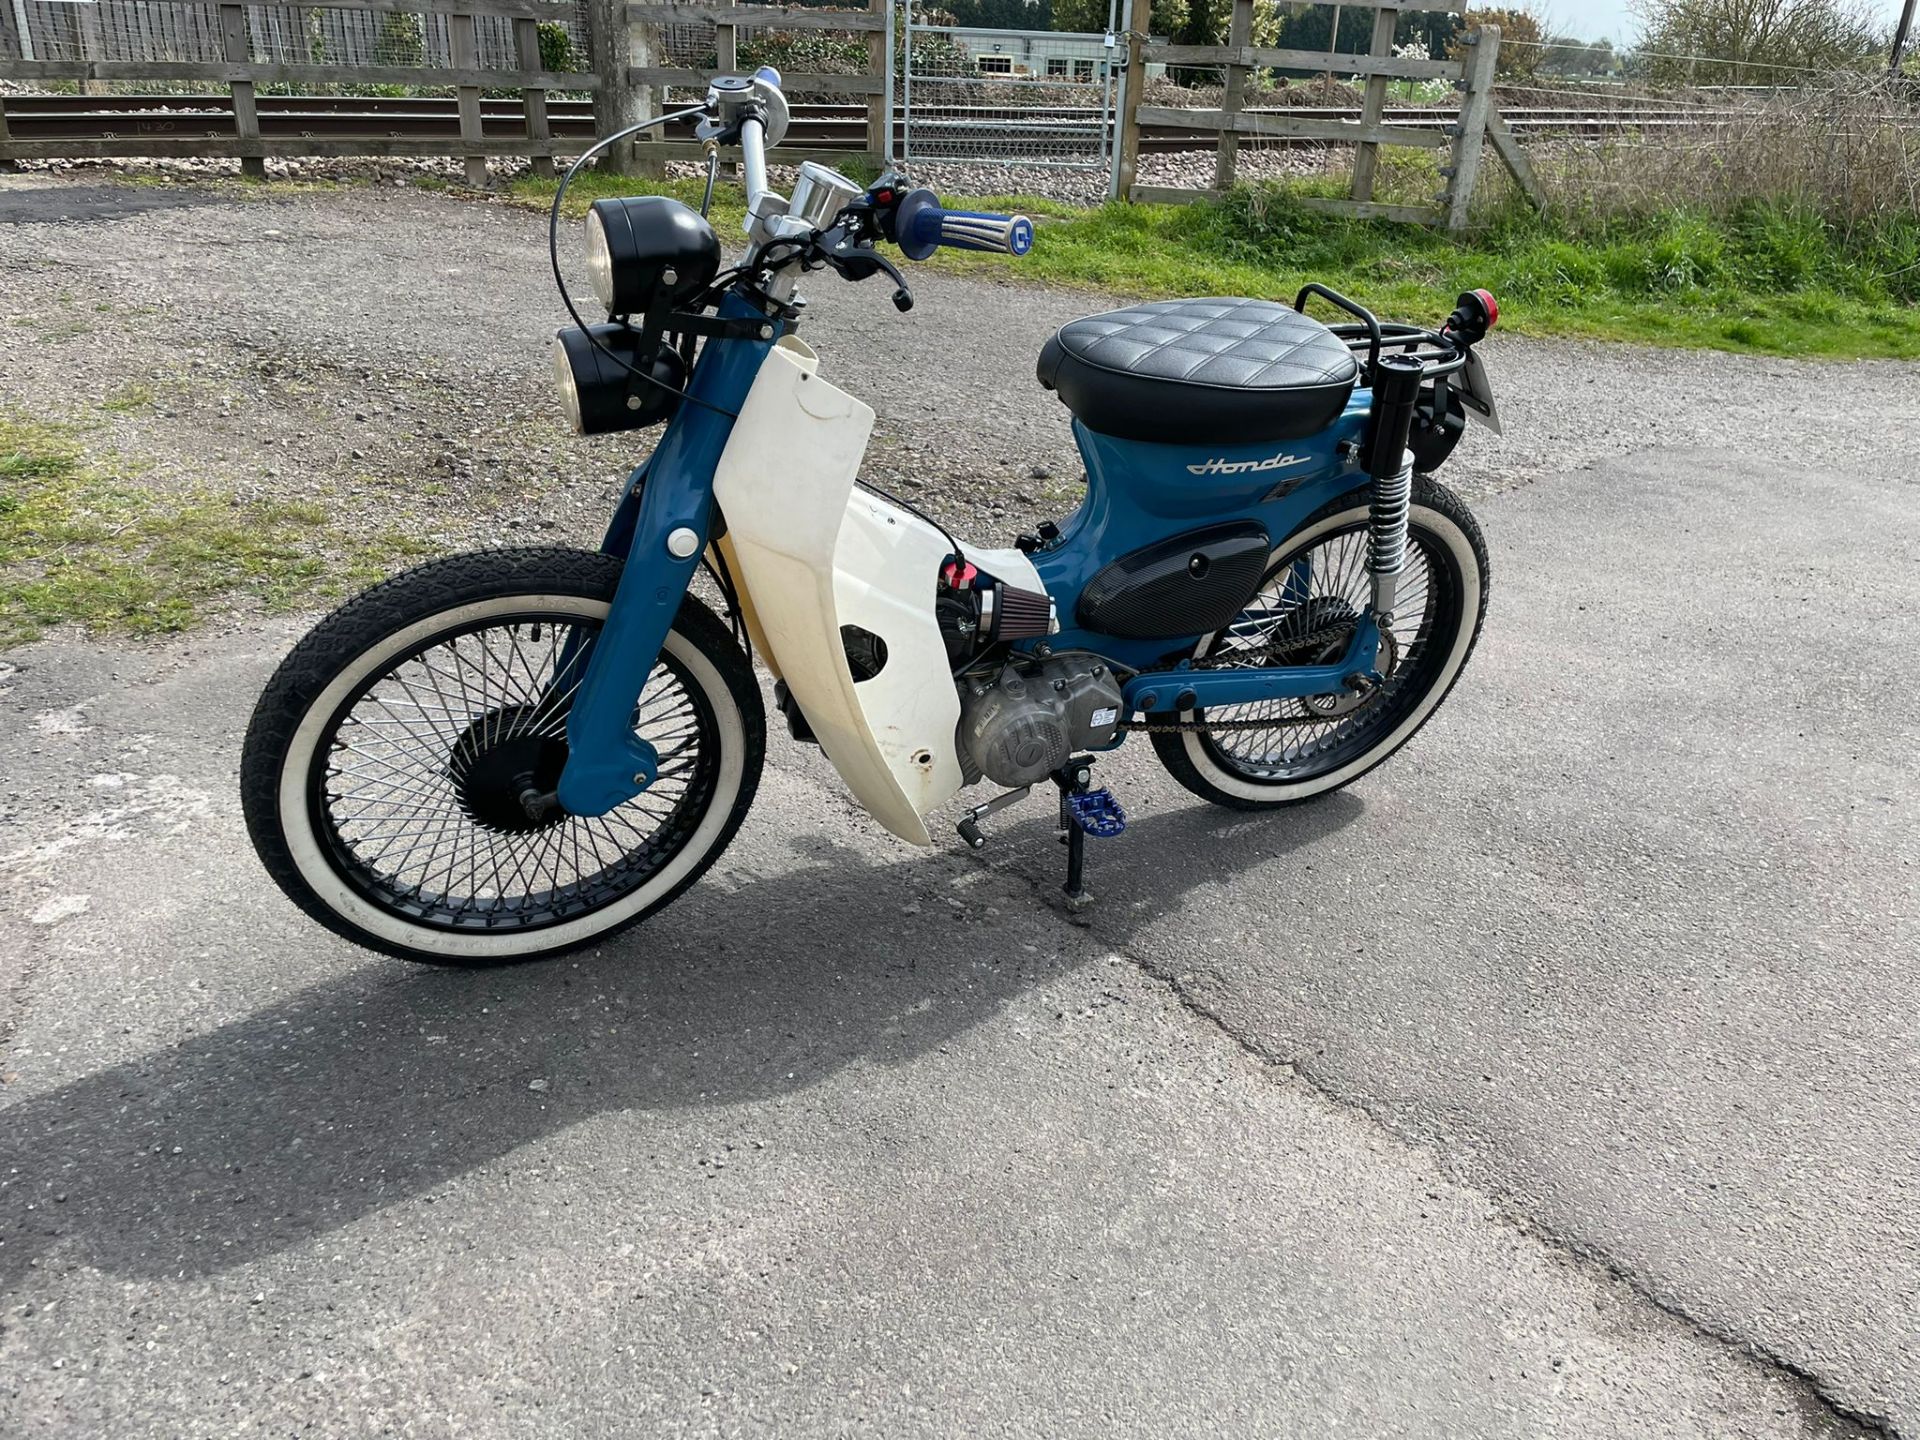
[(553, 256)]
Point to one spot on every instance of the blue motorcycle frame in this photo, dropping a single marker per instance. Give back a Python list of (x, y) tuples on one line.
[(1137, 493)]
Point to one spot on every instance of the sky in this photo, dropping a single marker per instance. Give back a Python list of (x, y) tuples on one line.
[(1613, 20)]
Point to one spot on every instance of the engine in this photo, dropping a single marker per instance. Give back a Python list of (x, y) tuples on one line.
[(1022, 724)]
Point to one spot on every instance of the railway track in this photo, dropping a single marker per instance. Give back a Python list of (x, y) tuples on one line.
[(44, 121)]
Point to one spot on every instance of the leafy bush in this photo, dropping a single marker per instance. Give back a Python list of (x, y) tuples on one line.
[(819, 52), (402, 40), (556, 48)]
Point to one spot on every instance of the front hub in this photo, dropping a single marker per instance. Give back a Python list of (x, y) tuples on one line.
[(506, 766)]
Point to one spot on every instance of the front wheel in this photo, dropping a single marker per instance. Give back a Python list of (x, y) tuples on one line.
[(399, 769), (1279, 752)]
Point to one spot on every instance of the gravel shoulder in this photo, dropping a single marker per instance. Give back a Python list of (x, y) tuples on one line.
[(382, 350)]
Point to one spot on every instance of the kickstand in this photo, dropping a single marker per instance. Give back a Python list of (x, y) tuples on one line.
[(1083, 812)]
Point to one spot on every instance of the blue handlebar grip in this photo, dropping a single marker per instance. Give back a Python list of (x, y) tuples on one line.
[(923, 226), (967, 230)]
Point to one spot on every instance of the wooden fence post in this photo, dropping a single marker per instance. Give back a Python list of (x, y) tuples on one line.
[(619, 102), (1475, 104), (726, 52), (464, 33), (879, 62), (1140, 18), (1507, 147), (526, 47), (1226, 153), (1373, 104), (92, 46), (649, 101), (246, 119)]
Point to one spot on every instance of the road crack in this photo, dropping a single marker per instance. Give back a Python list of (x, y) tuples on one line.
[(1820, 1394)]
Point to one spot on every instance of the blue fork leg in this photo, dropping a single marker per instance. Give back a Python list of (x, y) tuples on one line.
[(607, 764)]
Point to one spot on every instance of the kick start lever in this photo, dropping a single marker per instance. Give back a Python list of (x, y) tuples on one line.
[(969, 826)]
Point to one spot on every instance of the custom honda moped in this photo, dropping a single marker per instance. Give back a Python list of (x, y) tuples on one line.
[(514, 753)]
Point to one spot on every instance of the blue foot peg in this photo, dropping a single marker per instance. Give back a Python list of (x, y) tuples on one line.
[(1096, 813)]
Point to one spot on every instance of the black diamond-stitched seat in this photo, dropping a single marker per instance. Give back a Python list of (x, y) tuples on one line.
[(1200, 372)]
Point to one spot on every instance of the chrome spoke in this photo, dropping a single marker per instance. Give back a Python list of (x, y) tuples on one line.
[(398, 785), (1308, 595)]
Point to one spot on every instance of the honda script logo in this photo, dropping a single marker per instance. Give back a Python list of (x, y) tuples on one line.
[(1220, 465)]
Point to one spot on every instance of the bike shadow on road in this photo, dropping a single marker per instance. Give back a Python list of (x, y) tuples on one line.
[(391, 1080)]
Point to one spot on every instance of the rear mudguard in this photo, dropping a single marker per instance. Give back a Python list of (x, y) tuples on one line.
[(811, 555)]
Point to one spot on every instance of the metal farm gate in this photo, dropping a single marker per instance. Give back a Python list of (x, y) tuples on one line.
[(1042, 98)]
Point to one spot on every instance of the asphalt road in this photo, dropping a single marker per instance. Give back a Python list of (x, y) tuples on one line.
[(1558, 1079)]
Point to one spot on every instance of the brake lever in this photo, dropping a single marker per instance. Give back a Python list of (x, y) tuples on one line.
[(902, 296), (860, 262)]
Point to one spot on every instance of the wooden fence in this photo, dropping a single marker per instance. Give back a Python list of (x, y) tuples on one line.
[(626, 52), (645, 81), (1472, 75), (132, 30), (238, 69), (630, 50)]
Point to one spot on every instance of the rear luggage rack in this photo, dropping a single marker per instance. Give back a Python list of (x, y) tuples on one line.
[(1367, 335)]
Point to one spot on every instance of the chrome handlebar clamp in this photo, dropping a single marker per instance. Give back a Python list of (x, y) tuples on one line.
[(751, 110)]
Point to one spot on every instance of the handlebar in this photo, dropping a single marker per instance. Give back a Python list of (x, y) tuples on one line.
[(753, 160), (836, 224), (922, 226)]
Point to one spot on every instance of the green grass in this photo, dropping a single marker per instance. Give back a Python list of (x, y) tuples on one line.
[(83, 546), (1761, 281)]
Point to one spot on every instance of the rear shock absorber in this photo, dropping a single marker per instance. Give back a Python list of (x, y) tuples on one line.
[(1396, 386)]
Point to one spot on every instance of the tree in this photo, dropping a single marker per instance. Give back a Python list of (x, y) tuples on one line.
[(1003, 14), (1170, 17), (1520, 49), (1311, 28), (1567, 56), (1754, 42)]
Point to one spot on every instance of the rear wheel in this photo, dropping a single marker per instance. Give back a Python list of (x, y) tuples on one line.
[(399, 771), (1281, 752)]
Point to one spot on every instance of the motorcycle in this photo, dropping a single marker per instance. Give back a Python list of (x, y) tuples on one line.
[(511, 754)]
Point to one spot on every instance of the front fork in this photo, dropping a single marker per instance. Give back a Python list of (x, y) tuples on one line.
[(661, 529)]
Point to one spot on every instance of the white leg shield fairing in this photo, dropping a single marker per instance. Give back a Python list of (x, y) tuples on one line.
[(813, 555)]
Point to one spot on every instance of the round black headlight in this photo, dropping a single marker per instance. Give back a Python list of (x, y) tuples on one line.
[(600, 394), (647, 247)]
